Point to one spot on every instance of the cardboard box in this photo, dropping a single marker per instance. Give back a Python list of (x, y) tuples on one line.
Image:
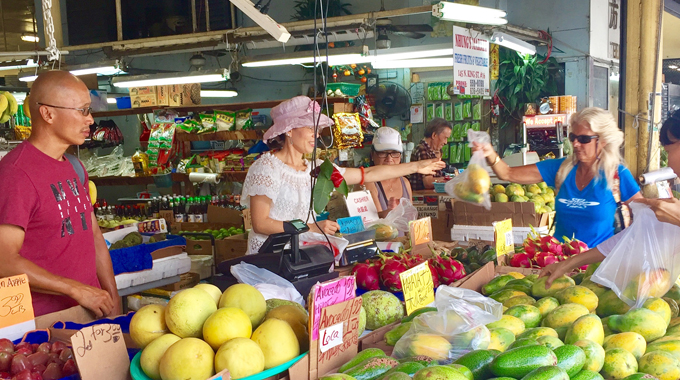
[(199, 247), (76, 314), (343, 107), (147, 90), (187, 280), (523, 214), (162, 96), (230, 248), (184, 94)]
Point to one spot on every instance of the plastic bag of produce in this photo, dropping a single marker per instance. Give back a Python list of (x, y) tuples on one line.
[(456, 328), (269, 284), (473, 185), (643, 263), (395, 222)]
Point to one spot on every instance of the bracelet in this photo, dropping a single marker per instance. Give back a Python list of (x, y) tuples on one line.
[(362, 176), (497, 160)]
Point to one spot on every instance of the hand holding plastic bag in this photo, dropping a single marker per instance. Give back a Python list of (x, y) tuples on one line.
[(456, 328), (644, 263), (473, 185), (397, 221), (269, 284)]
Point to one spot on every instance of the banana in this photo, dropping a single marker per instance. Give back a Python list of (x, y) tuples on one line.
[(4, 104), (93, 192), (27, 111), (5, 116), (13, 105)]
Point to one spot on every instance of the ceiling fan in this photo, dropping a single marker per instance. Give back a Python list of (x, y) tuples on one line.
[(384, 25)]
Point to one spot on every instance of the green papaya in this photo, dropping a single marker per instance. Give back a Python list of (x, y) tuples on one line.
[(393, 336), (478, 362), (496, 284), (519, 362), (587, 374)]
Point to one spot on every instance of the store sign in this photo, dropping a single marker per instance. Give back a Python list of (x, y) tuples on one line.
[(100, 352), (614, 30), (505, 242), (470, 62), (544, 120), (16, 307), (418, 287), (360, 203)]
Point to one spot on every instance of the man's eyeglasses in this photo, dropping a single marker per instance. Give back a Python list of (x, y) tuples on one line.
[(582, 139), (84, 111), (385, 154)]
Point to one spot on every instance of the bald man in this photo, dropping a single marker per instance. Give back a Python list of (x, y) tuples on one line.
[(47, 227)]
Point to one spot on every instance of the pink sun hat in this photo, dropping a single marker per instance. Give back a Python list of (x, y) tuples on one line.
[(300, 111)]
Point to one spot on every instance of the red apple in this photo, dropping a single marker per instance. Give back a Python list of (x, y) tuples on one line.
[(40, 368), (5, 376), (58, 346), (54, 358), (23, 375), (24, 351), (34, 347), (5, 361), (53, 372), (70, 368), (66, 354), (38, 358), (19, 363), (22, 345), (44, 347), (6, 345), (35, 375)]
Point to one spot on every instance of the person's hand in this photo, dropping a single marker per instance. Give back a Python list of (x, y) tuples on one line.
[(328, 227), (666, 210), (429, 167), (486, 149), (94, 299), (553, 271)]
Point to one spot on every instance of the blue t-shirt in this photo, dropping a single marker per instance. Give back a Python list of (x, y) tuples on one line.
[(587, 214)]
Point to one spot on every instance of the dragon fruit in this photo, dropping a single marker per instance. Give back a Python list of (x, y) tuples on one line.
[(573, 247), (448, 269), (550, 244), (521, 260), (389, 273), (543, 259), (368, 275), (530, 247), (433, 270)]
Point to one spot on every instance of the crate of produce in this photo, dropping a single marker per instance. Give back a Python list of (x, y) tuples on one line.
[(348, 89)]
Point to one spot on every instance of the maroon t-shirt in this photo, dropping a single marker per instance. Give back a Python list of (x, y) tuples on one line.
[(45, 197)]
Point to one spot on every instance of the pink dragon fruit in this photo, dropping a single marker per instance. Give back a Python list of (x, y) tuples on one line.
[(433, 270), (550, 244), (573, 247), (389, 273), (530, 247), (368, 275), (521, 260), (448, 269), (543, 259)]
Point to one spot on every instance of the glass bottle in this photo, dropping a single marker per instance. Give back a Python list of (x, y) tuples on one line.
[(140, 160)]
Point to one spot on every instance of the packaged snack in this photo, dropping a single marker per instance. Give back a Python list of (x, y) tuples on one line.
[(445, 152), (448, 112), (155, 136), (167, 136), (22, 132), (243, 119), (207, 120), (439, 110), (430, 112), (467, 109), (347, 130), (475, 126), (456, 132), (477, 110), (458, 112), (453, 150), (430, 92), (445, 92), (224, 120)]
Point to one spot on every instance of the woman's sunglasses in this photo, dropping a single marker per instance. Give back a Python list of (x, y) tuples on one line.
[(582, 139)]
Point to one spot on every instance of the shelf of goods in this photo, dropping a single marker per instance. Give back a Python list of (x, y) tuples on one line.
[(224, 135)]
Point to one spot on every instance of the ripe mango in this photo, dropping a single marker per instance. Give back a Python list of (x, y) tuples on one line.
[(580, 295), (594, 355), (629, 341), (642, 321), (538, 289), (660, 364), (618, 363), (588, 327)]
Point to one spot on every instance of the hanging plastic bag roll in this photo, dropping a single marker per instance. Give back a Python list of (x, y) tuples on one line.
[(643, 263)]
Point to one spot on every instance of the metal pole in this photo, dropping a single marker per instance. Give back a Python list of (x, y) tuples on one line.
[(207, 15), (652, 106), (525, 147), (119, 21), (193, 15), (233, 15)]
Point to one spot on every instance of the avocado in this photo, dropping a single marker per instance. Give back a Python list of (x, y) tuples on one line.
[(518, 362), (478, 362), (361, 356), (372, 368)]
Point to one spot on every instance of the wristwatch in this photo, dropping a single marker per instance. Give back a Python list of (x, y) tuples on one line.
[(496, 160)]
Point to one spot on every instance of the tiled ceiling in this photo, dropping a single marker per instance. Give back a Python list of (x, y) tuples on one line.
[(17, 19)]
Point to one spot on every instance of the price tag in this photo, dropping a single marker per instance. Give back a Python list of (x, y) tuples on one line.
[(360, 203), (16, 307), (100, 353), (418, 287), (351, 225), (328, 294), (420, 231), (505, 243), (330, 337)]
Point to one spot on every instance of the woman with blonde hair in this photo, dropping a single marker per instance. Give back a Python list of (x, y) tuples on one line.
[(590, 184)]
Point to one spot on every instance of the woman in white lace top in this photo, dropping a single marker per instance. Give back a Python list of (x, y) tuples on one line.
[(278, 185)]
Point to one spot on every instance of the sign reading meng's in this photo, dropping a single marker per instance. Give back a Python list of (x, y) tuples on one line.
[(470, 62)]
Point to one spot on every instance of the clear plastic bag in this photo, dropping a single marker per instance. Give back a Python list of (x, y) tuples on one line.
[(269, 284), (456, 328), (473, 185), (397, 219), (643, 262)]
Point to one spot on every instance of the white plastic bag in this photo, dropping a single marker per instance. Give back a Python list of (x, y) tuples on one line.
[(398, 218), (644, 262), (473, 185), (269, 284), (456, 328)]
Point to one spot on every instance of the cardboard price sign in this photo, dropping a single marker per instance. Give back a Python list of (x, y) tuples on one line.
[(418, 287), (327, 294), (505, 242), (338, 334), (100, 353), (420, 231), (16, 307)]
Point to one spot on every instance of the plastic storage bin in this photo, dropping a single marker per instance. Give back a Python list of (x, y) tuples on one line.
[(123, 102), (349, 89), (202, 264)]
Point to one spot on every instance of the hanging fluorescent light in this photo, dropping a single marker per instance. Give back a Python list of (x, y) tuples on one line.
[(468, 13), (18, 65), (414, 63), (514, 43), (171, 78), (30, 38), (341, 56), (228, 93), (111, 100), (100, 68), (672, 66)]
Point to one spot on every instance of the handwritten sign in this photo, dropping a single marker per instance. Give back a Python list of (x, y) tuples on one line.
[(16, 307), (420, 231), (330, 337), (339, 331), (505, 243), (418, 287), (350, 225), (360, 203), (327, 294), (100, 352)]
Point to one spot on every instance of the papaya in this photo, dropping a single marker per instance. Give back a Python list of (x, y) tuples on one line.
[(642, 321), (478, 362), (550, 341), (564, 315), (509, 322), (393, 336), (587, 374), (361, 356), (501, 339), (529, 314), (516, 275), (337, 376), (538, 289), (570, 358), (546, 305), (409, 368), (618, 363), (519, 300), (561, 332), (578, 278), (525, 342), (661, 364), (591, 269), (525, 282), (629, 341), (594, 355), (610, 304), (660, 307), (652, 282), (674, 322), (520, 288), (641, 376), (505, 294), (670, 346), (667, 338), (589, 327), (673, 329), (518, 362), (532, 277), (605, 325), (462, 369), (543, 373), (432, 345), (594, 287), (538, 332), (371, 369), (579, 295), (673, 304)]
